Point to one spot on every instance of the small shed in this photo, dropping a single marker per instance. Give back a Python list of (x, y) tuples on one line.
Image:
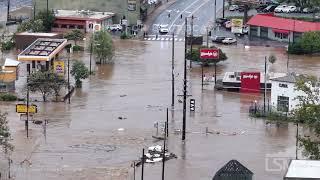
[(233, 170), (303, 170)]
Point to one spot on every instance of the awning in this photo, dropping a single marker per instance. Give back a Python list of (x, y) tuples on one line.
[(70, 22), (281, 31)]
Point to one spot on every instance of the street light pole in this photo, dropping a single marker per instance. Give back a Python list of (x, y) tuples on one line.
[(297, 139), (8, 11), (265, 85), (223, 1), (27, 121), (172, 72), (185, 85)]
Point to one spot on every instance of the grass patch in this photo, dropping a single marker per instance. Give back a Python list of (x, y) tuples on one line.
[(8, 97)]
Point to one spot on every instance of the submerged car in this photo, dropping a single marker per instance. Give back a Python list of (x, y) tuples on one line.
[(163, 28), (229, 41)]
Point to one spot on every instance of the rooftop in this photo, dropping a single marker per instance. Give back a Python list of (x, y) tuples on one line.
[(289, 78), (42, 49), (37, 34), (308, 169), (82, 15), (267, 20), (233, 168)]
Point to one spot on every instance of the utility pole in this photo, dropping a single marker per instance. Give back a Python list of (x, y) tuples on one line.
[(297, 139), (47, 8), (27, 121), (288, 56), (215, 72), (172, 73), (142, 164), (265, 85), (191, 40), (91, 49), (167, 123), (215, 15), (185, 85), (69, 75), (34, 10), (223, 1), (8, 11), (163, 154)]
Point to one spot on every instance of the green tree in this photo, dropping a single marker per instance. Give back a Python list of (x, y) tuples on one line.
[(5, 135), (57, 83), (75, 35), (31, 25), (308, 112), (47, 18), (79, 71), (45, 83), (309, 43), (195, 55), (103, 46)]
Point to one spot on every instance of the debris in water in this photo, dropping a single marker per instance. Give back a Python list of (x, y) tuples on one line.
[(121, 129), (123, 95)]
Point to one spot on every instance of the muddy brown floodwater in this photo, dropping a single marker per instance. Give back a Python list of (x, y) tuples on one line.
[(83, 141)]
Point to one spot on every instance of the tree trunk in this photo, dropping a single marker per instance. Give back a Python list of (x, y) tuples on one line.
[(245, 15)]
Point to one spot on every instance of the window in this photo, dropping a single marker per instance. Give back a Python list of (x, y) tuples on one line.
[(281, 35), (90, 26), (55, 25), (283, 85), (63, 26), (71, 26), (263, 32), (80, 27), (283, 104), (253, 30)]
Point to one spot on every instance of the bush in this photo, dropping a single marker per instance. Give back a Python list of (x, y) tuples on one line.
[(77, 48), (309, 43), (124, 35), (8, 97), (8, 45)]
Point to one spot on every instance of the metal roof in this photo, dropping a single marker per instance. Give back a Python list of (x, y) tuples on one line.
[(290, 78), (42, 49), (233, 168), (270, 21), (308, 169)]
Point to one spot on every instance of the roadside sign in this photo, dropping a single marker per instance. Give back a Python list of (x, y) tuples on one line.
[(209, 53), (237, 26), (192, 105), (58, 67), (22, 108)]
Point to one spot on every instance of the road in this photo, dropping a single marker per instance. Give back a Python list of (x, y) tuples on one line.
[(202, 10)]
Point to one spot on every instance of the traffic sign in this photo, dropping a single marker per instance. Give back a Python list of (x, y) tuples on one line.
[(22, 108), (192, 105), (209, 53)]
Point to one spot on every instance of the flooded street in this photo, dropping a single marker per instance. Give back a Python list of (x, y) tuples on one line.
[(84, 140)]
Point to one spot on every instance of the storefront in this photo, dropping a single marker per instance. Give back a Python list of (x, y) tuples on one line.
[(280, 29)]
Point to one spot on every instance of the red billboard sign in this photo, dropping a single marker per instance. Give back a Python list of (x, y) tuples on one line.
[(209, 53), (250, 81)]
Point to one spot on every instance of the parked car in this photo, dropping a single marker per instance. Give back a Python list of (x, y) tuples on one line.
[(307, 10), (289, 9), (261, 7), (163, 28), (245, 30), (114, 27), (227, 24), (270, 8), (229, 41), (233, 7), (221, 20), (218, 39), (241, 8), (280, 8)]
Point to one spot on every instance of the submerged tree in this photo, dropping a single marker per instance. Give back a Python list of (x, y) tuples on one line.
[(5, 134), (75, 35), (103, 47), (79, 71), (308, 112)]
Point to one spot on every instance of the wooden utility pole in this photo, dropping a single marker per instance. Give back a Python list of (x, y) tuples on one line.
[(185, 84)]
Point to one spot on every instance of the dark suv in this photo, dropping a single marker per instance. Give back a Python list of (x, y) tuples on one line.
[(270, 8)]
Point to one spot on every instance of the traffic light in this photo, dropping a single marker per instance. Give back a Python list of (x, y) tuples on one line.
[(192, 105)]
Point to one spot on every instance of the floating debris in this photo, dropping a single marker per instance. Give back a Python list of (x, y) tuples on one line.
[(121, 129), (155, 154), (122, 118), (124, 95)]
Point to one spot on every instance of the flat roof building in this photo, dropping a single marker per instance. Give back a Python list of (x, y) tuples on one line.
[(84, 20), (44, 52)]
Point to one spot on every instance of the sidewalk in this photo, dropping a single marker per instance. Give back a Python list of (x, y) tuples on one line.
[(151, 17)]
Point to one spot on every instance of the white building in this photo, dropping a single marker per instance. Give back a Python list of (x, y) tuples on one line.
[(283, 93), (303, 170)]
